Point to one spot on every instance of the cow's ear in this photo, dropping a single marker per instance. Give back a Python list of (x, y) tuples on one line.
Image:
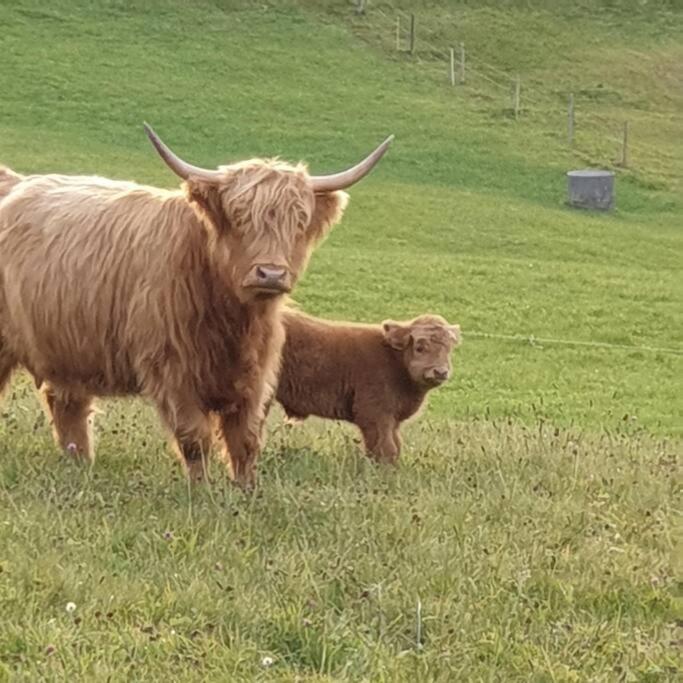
[(454, 334), (396, 335), (328, 210), (207, 204)]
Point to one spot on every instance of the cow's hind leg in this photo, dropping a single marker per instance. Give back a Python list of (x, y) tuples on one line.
[(7, 365), (70, 415), (191, 430)]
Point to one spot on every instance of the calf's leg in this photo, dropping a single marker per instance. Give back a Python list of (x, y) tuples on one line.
[(70, 415), (397, 439), (381, 439)]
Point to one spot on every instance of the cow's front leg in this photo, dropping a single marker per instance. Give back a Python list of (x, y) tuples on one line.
[(191, 430), (70, 415), (241, 429)]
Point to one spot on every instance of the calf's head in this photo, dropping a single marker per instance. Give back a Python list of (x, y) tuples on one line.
[(264, 217), (426, 344)]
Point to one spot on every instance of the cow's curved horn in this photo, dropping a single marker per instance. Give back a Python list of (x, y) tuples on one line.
[(340, 181), (176, 164)]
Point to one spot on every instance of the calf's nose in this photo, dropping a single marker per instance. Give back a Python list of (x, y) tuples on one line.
[(440, 374)]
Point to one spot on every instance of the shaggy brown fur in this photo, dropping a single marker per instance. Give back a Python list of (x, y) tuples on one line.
[(374, 376), (113, 288)]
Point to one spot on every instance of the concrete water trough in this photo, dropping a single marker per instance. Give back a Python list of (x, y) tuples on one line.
[(591, 189)]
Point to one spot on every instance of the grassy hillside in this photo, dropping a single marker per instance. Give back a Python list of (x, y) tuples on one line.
[(621, 62), (466, 216), (531, 518)]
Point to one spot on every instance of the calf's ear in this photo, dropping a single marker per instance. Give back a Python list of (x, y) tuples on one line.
[(396, 335), (454, 333)]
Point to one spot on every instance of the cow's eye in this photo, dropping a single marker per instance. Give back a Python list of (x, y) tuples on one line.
[(420, 347)]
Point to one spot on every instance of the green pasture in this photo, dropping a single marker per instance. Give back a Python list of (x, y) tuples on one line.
[(529, 532)]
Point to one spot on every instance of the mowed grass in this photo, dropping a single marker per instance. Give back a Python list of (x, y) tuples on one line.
[(529, 532)]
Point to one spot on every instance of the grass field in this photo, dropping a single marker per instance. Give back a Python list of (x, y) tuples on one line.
[(529, 533)]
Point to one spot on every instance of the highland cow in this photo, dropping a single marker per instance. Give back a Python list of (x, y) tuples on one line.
[(111, 288), (373, 376)]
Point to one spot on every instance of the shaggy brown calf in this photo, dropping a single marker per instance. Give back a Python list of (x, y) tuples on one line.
[(374, 376), (113, 288)]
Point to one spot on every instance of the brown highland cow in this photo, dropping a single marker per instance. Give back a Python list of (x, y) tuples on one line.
[(374, 376), (111, 288)]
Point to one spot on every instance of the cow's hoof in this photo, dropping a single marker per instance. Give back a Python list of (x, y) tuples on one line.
[(77, 454)]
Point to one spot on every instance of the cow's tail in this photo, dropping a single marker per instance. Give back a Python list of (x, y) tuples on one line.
[(8, 179)]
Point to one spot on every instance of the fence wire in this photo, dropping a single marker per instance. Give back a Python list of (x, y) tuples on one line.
[(532, 97), (533, 340)]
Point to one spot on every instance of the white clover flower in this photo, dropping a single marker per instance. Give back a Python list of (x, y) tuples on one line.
[(267, 662), (70, 607)]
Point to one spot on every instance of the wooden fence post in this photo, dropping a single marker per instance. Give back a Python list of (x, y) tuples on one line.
[(570, 120), (624, 146), (516, 99), (452, 67), (412, 33), (462, 63)]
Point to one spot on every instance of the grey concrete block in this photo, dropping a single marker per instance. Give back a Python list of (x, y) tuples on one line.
[(591, 189)]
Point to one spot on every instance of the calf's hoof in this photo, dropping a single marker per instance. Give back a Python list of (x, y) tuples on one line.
[(384, 460), (294, 421)]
